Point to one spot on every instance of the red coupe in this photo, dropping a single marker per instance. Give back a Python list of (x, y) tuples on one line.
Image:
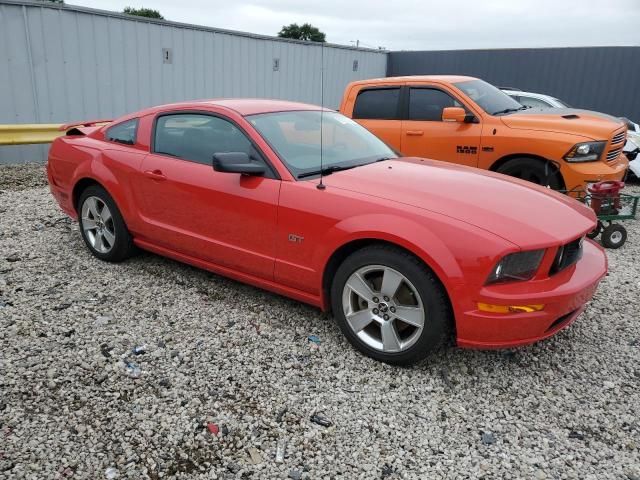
[(404, 251)]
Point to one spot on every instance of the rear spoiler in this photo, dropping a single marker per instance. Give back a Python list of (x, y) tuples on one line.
[(91, 123)]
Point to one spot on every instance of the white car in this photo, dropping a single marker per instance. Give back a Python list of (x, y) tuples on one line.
[(534, 100), (540, 100), (632, 148)]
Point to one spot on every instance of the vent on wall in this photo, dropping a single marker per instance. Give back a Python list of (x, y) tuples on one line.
[(276, 64), (355, 65), (167, 55)]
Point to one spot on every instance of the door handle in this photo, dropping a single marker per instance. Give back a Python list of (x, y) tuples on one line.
[(415, 133), (155, 174)]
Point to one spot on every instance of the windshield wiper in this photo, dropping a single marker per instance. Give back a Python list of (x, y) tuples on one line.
[(327, 170), (509, 110), (338, 168)]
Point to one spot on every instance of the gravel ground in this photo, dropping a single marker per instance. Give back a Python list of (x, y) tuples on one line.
[(228, 377)]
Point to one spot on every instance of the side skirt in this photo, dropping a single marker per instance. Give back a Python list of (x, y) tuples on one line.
[(233, 274)]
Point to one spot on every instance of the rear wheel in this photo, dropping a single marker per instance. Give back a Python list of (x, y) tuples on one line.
[(102, 227), (389, 305), (534, 171)]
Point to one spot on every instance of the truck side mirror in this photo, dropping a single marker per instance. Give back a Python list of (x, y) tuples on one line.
[(454, 114)]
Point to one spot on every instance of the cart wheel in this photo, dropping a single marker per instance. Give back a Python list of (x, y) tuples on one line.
[(614, 236), (596, 231)]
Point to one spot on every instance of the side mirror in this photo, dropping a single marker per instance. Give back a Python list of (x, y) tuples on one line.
[(454, 114), (236, 162)]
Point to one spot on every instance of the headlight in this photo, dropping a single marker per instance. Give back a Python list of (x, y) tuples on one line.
[(516, 266), (585, 152)]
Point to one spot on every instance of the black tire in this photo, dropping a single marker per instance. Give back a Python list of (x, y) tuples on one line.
[(533, 170), (614, 236), (122, 247), (438, 319), (593, 234)]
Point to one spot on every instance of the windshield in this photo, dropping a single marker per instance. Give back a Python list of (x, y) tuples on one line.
[(295, 136), (491, 99)]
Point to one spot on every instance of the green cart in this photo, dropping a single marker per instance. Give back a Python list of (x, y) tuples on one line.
[(610, 209)]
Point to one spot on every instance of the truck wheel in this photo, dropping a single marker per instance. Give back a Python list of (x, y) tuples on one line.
[(389, 305), (614, 236), (533, 170)]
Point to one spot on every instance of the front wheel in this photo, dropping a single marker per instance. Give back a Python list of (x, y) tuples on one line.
[(389, 305), (533, 170)]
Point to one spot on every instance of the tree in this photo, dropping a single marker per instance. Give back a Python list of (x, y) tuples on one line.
[(143, 12), (302, 32)]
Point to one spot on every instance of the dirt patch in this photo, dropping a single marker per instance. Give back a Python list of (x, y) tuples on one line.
[(22, 177)]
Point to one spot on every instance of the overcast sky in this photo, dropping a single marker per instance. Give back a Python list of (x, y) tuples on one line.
[(417, 24)]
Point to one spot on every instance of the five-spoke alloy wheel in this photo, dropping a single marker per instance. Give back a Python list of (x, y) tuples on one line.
[(97, 224), (102, 226), (383, 308), (390, 305)]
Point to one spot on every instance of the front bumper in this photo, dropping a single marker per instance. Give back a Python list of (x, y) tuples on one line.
[(564, 296), (579, 175)]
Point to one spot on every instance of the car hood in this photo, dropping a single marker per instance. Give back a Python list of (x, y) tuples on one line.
[(593, 125), (525, 214)]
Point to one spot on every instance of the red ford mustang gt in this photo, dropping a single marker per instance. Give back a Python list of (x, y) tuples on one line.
[(404, 251)]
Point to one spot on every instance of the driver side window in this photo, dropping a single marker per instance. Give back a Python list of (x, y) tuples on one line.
[(427, 104), (197, 137)]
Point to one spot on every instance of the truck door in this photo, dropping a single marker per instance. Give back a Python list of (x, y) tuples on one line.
[(424, 134), (378, 110)]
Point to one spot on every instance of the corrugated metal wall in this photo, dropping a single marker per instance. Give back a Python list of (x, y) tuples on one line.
[(60, 64), (604, 79)]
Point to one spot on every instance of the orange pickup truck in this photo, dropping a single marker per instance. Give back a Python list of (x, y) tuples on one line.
[(468, 121)]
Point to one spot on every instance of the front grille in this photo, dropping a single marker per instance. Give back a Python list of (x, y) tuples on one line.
[(567, 255), (613, 154), (618, 137)]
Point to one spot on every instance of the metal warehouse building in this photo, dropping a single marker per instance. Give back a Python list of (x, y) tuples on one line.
[(61, 63), (66, 63)]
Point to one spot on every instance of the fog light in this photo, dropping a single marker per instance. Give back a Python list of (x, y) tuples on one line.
[(487, 307)]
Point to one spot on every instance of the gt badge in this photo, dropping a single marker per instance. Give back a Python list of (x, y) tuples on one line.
[(295, 238)]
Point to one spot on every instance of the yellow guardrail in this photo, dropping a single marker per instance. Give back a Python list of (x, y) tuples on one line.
[(29, 133)]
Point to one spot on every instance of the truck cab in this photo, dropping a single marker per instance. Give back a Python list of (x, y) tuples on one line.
[(467, 121)]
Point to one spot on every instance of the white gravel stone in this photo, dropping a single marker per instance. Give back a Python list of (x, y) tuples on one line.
[(222, 352)]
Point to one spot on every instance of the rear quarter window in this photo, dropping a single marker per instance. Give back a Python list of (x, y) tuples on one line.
[(377, 103), (124, 132)]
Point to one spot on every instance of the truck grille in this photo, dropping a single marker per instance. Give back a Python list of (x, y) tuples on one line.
[(615, 145), (618, 137), (613, 154), (567, 255)]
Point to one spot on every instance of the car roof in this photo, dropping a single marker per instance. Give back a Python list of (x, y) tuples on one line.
[(413, 78), (242, 106)]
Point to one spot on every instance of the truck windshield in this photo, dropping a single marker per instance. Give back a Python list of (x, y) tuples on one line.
[(491, 99), (295, 137)]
